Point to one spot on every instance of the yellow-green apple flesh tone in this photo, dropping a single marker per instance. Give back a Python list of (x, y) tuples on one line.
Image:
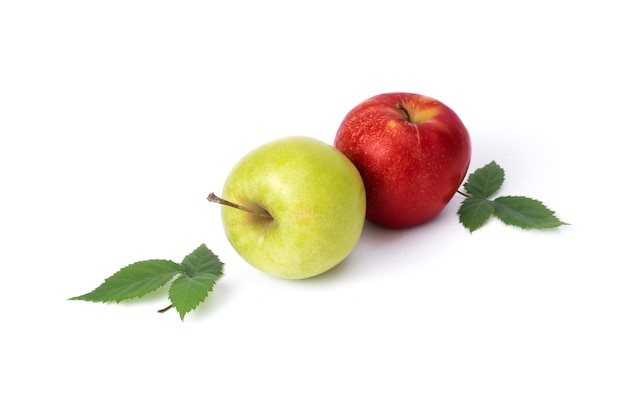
[(293, 208)]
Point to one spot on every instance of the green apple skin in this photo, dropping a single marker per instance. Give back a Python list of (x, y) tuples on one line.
[(315, 197)]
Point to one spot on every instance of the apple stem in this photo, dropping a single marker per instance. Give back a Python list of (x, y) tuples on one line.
[(259, 212), (407, 116), (463, 194)]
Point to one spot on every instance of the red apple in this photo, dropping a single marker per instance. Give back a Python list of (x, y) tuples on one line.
[(412, 151)]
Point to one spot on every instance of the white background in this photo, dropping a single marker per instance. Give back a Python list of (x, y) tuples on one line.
[(117, 118)]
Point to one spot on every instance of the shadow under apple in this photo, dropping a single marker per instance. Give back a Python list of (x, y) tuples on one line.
[(383, 251)]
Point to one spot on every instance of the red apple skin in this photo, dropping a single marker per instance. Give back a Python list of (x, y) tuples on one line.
[(413, 153)]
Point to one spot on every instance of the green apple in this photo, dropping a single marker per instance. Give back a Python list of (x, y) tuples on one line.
[(294, 207)]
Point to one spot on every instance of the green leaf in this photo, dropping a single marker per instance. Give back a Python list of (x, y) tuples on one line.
[(485, 181), (202, 261), (474, 212), (187, 292), (525, 212), (134, 280), (193, 279)]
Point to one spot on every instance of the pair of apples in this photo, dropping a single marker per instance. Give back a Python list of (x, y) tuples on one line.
[(295, 207)]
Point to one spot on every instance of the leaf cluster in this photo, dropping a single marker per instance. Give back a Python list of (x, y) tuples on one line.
[(477, 208), (191, 280)]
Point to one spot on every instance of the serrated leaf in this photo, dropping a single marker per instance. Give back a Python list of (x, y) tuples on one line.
[(474, 212), (525, 212), (202, 261), (485, 181), (134, 280), (187, 292)]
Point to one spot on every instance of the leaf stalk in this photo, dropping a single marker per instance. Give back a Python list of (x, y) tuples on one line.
[(163, 310)]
